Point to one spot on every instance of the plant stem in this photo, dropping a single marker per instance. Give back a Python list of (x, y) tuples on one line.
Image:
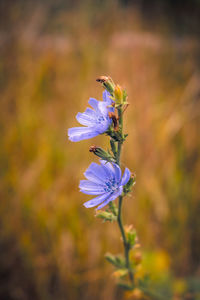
[(119, 217)]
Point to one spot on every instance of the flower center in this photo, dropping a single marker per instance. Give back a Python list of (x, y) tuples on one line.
[(110, 186), (100, 120)]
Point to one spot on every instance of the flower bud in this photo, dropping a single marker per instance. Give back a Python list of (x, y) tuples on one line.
[(107, 83), (128, 187), (131, 235), (118, 94), (106, 216), (98, 151)]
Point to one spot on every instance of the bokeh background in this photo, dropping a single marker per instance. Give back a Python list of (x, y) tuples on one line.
[(51, 52)]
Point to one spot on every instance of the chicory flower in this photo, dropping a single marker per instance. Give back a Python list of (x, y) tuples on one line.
[(96, 120), (104, 180)]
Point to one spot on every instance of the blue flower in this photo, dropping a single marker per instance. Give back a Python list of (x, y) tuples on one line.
[(104, 180), (96, 120)]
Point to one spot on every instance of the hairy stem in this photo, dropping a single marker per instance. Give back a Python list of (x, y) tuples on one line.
[(119, 218)]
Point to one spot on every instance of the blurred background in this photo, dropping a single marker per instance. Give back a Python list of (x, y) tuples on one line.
[(51, 52)]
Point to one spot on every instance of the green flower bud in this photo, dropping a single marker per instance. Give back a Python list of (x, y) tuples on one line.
[(128, 187), (118, 94), (131, 236), (107, 83), (98, 151), (106, 216)]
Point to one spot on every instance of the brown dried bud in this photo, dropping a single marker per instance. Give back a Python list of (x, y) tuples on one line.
[(93, 149), (102, 79), (115, 120)]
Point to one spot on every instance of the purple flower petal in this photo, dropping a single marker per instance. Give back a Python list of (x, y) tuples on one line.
[(111, 198), (92, 192), (126, 176), (98, 171), (90, 112), (84, 119), (96, 201), (92, 177), (106, 98), (104, 179), (77, 134), (96, 121), (103, 108), (118, 172), (108, 168), (94, 103), (91, 188)]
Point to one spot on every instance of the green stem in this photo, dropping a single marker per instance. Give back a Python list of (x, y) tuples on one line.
[(119, 217)]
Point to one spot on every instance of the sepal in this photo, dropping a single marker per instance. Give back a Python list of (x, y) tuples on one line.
[(117, 136), (125, 96)]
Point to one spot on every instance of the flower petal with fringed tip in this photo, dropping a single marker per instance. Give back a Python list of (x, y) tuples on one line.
[(105, 181)]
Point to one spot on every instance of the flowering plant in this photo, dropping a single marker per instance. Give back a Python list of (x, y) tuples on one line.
[(105, 180)]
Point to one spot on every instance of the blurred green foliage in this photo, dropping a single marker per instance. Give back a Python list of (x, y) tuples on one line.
[(51, 246)]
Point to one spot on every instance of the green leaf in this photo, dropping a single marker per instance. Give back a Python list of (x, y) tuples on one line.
[(115, 260)]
